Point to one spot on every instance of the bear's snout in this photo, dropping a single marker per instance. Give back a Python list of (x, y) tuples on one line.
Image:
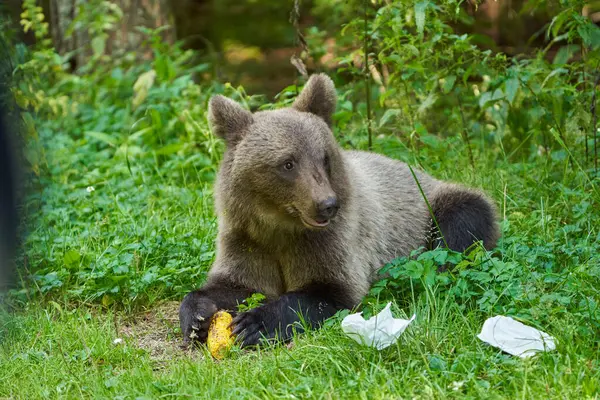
[(321, 212), (327, 208)]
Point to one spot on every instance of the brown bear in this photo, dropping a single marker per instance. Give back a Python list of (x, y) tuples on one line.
[(308, 224)]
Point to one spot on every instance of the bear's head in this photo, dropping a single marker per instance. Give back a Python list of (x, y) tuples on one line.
[(282, 167)]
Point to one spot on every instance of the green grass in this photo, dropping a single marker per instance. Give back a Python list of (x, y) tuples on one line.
[(148, 235), (69, 354), (103, 226)]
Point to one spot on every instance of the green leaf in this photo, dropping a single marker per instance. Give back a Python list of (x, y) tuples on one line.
[(414, 269), (420, 11), (156, 119), (140, 133), (440, 257), (30, 125), (120, 269), (511, 86), (71, 258), (170, 148), (448, 84), (467, 74), (103, 137), (590, 34), (437, 363), (413, 50), (388, 115), (429, 272), (489, 97), (98, 45), (558, 21), (164, 67), (563, 55), (57, 306), (557, 71), (254, 301), (428, 102)]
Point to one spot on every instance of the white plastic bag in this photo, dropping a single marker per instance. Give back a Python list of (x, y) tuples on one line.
[(379, 331), (514, 337)]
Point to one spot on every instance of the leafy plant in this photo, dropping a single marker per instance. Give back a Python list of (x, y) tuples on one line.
[(256, 300)]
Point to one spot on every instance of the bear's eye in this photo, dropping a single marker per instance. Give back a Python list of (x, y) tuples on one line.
[(326, 161), (288, 166)]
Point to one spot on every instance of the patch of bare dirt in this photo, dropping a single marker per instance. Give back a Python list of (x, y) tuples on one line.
[(157, 331)]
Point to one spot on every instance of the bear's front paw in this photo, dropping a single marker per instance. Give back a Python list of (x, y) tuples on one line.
[(266, 323), (254, 326), (195, 313)]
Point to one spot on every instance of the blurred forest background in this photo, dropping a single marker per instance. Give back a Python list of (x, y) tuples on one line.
[(250, 43)]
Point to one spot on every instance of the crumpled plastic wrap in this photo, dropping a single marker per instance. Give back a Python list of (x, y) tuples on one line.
[(515, 338), (379, 331)]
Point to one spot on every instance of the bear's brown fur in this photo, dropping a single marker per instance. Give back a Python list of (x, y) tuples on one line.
[(309, 224)]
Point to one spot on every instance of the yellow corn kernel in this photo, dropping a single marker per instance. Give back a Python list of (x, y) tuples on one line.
[(219, 339)]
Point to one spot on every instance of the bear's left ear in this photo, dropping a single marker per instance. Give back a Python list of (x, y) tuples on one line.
[(228, 119), (318, 97)]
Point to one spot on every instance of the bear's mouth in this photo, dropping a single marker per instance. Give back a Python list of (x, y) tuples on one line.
[(312, 223), (306, 221)]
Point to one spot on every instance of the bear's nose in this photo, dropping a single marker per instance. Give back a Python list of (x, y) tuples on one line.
[(328, 208)]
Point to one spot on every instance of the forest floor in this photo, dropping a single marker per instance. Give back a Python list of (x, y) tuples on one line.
[(119, 226), (81, 339)]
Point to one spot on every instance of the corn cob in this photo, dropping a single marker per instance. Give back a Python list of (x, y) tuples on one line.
[(219, 339)]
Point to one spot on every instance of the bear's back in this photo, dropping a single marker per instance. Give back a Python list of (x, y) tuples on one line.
[(391, 215)]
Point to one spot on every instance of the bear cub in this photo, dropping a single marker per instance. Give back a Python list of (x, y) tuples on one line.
[(308, 224)]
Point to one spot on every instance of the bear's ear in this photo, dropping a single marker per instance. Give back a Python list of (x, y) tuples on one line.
[(318, 97), (228, 119)]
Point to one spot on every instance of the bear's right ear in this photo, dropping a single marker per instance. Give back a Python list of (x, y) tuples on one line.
[(228, 119), (318, 97)]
